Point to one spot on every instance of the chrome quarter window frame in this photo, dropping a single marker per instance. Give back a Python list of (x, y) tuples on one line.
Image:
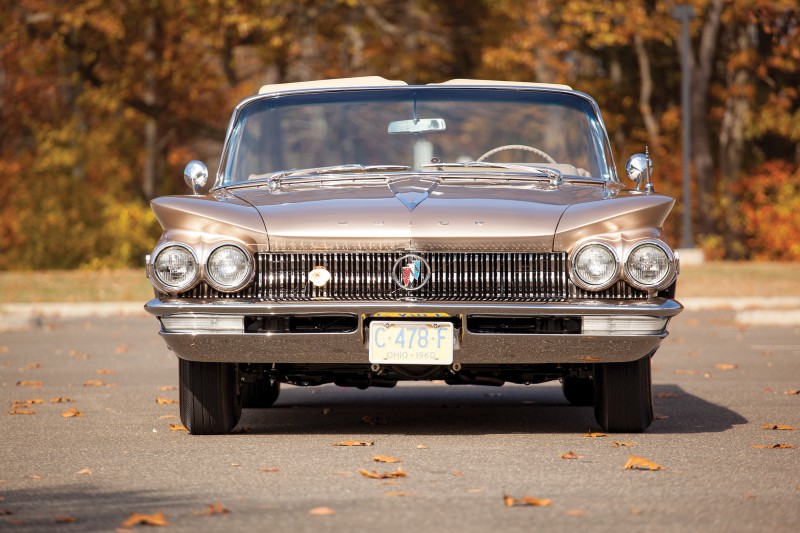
[(671, 271), (222, 288), (170, 289), (576, 279)]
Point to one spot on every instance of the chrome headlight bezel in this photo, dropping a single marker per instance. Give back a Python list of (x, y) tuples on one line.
[(583, 284), (662, 283), (246, 280), (169, 288)]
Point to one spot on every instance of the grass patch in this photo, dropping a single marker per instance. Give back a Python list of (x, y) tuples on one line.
[(717, 278)]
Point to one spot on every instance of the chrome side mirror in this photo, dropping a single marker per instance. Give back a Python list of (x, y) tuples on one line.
[(639, 168), (196, 175)]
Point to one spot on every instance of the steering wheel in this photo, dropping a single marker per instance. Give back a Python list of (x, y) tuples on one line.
[(517, 147)]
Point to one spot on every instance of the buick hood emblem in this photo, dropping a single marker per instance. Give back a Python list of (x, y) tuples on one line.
[(411, 193), (411, 272)]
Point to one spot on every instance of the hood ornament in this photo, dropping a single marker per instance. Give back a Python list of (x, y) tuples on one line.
[(412, 192)]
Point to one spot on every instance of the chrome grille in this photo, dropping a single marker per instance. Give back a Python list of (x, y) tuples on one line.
[(619, 291)]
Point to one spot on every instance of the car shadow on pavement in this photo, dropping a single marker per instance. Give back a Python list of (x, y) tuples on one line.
[(423, 409)]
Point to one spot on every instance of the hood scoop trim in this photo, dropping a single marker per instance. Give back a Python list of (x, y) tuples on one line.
[(412, 192)]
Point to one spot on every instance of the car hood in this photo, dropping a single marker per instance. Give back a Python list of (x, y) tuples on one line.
[(422, 215)]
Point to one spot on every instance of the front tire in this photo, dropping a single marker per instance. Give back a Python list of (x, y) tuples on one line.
[(210, 402), (623, 396)]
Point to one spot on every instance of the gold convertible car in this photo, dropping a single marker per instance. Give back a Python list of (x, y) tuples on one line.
[(363, 231)]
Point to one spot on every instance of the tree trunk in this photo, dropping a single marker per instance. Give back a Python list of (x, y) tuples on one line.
[(151, 156), (646, 92)]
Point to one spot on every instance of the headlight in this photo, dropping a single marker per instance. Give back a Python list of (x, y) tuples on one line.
[(175, 268), (594, 266), (228, 268), (648, 265)]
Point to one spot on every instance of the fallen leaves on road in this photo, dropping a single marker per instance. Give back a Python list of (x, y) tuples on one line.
[(386, 459), (122, 348), (640, 463), (374, 420), (103, 371), (398, 494), (214, 509), (167, 387), (595, 435), (792, 391), (383, 475), (84, 472), (772, 446), (779, 426), (165, 401), (268, 470), (177, 427), (620, 444), (97, 383), (666, 395), (61, 399), (570, 455), (156, 519), (574, 512), (322, 511), (21, 412), (510, 501), (165, 417), (354, 443), (687, 372), (31, 366), (37, 476), (29, 383), (725, 366), (72, 413)]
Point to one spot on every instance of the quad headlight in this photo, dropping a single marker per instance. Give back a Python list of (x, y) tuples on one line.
[(649, 265), (594, 266), (229, 268), (175, 268)]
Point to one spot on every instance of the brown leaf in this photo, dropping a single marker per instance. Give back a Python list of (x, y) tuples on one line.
[(72, 413), (65, 519), (725, 366), (36, 476), (398, 494), (93, 383), (268, 470), (354, 443), (792, 391), (386, 459), (21, 412), (31, 384), (61, 399), (383, 475), (595, 435), (510, 501), (640, 463), (30, 366), (779, 426), (167, 387), (773, 446), (165, 417), (177, 427), (574, 512), (666, 395), (34, 401), (687, 372), (156, 519), (619, 444), (84, 472), (322, 511), (374, 420), (214, 508), (570, 455), (103, 371), (165, 401)]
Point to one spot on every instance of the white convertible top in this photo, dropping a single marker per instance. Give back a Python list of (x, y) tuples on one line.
[(378, 81)]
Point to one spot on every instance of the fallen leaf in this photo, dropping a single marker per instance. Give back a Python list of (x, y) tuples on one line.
[(84, 472), (326, 410), (168, 387), (386, 459), (779, 426), (595, 435), (61, 399), (354, 443), (687, 372), (71, 413), (666, 395), (374, 420), (165, 401), (236, 464), (570, 455), (3, 349), (707, 375), (574, 512), (619, 444), (122, 348), (34, 401), (475, 490), (36, 476), (640, 463), (93, 383), (321, 511), (156, 519), (65, 519), (773, 446), (458, 474), (21, 412), (635, 512), (177, 427), (214, 508), (398, 494), (422, 447), (725, 366), (165, 417), (383, 475), (510, 501), (792, 391), (30, 366), (103, 371), (31, 384), (268, 470)]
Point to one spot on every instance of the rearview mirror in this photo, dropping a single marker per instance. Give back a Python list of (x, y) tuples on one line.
[(418, 125)]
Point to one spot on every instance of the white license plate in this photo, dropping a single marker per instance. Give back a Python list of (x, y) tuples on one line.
[(411, 343)]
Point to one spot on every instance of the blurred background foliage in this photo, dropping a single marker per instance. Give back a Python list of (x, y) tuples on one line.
[(102, 102)]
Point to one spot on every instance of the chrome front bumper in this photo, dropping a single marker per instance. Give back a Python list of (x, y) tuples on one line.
[(213, 333)]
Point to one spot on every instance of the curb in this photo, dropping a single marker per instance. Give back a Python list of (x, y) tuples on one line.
[(15, 317)]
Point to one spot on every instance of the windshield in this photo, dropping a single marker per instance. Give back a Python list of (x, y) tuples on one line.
[(420, 129)]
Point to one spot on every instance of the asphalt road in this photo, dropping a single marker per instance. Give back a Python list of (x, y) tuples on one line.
[(463, 448)]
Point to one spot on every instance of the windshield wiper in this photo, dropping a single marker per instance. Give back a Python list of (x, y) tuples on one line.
[(555, 176), (276, 179)]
